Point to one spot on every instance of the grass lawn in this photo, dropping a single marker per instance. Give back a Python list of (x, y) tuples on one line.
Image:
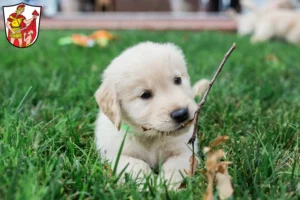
[(48, 111)]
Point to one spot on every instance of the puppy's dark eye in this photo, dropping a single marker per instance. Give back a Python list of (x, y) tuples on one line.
[(177, 80), (146, 95)]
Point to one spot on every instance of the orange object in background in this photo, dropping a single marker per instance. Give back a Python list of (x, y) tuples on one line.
[(101, 38), (82, 40), (102, 35)]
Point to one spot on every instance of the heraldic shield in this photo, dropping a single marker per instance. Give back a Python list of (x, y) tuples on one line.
[(22, 24)]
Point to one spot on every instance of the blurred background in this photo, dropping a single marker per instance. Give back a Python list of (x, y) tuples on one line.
[(141, 14), (69, 6), (134, 14)]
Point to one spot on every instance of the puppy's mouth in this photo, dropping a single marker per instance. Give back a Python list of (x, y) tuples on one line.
[(183, 125)]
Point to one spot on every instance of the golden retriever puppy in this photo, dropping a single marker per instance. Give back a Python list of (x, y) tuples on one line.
[(147, 86)]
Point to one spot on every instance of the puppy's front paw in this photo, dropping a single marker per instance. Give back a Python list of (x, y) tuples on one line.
[(174, 178), (200, 87), (174, 168), (136, 168)]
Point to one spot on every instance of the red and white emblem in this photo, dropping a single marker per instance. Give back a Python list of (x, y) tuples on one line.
[(22, 23)]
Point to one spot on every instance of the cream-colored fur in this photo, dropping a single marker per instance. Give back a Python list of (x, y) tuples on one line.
[(282, 24), (269, 21), (153, 67)]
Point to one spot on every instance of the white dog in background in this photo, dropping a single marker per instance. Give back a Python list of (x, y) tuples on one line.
[(147, 86), (280, 24), (276, 19)]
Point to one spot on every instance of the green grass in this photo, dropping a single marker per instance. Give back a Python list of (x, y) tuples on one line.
[(48, 111)]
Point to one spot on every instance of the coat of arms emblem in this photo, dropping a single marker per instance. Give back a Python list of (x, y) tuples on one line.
[(22, 23)]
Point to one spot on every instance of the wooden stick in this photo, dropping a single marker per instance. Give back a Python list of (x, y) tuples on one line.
[(203, 100)]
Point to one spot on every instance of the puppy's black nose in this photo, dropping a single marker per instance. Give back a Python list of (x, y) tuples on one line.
[(180, 115)]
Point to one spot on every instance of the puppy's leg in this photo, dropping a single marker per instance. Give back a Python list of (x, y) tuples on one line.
[(174, 169), (200, 87), (294, 36), (263, 32), (138, 169)]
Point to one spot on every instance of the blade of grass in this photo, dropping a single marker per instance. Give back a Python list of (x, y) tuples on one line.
[(24, 97), (119, 154)]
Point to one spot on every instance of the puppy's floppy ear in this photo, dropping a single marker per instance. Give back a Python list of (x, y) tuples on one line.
[(109, 103)]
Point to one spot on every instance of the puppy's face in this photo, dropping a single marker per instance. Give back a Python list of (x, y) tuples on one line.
[(149, 87)]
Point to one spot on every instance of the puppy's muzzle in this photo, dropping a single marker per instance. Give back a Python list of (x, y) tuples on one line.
[(180, 115)]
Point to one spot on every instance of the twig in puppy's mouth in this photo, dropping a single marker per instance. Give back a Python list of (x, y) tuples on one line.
[(148, 127), (203, 100)]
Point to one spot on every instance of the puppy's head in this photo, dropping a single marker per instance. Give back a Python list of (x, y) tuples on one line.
[(148, 85)]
